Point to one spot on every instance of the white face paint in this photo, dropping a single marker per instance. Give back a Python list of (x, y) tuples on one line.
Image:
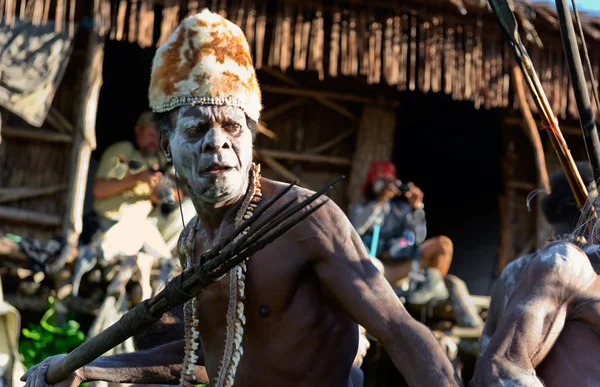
[(211, 147)]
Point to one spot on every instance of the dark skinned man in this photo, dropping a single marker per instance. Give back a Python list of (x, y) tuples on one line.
[(544, 313), (288, 316)]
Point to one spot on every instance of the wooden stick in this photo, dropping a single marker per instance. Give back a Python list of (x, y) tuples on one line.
[(530, 129), (521, 185), (282, 108), (278, 168), (32, 193), (579, 86), (331, 143), (186, 286), (262, 129), (323, 100), (59, 116), (30, 217), (85, 137), (508, 24), (50, 119), (315, 94), (36, 135), (292, 156)]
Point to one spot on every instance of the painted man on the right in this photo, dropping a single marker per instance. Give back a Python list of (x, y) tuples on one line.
[(544, 316)]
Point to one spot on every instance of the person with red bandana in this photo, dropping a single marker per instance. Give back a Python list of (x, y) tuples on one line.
[(391, 222)]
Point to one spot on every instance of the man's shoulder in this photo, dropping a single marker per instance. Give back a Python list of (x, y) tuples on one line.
[(561, 264), (510, 274), (329, 212), (119, 147)]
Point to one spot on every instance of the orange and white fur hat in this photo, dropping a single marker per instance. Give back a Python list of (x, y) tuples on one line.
[(206, 61)]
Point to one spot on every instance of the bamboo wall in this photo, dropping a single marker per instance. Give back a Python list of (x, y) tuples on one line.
[(301, 129), (35, 160), (431, 46)]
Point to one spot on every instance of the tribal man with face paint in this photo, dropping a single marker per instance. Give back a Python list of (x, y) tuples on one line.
[(288, 316)]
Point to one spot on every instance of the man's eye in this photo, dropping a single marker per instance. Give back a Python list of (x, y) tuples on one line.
[(194, 131), (233, 127)]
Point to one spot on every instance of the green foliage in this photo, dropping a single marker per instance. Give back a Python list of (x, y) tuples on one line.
[(45, 339)]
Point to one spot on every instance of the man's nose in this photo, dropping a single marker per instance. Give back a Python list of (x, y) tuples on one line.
[(215, 140)]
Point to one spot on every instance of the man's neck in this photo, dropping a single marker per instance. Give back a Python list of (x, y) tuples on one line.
[(213, 215)]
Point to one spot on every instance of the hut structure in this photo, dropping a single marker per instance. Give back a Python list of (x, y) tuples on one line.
[(428, 84)]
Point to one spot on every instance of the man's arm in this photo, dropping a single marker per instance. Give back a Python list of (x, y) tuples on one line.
[(344, 268), (534, 316), (162, 364), (105, 188)]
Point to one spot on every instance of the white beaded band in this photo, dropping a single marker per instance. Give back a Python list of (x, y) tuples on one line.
[(193, 101)]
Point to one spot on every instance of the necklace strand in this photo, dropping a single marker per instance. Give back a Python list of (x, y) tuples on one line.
[(236, 318)]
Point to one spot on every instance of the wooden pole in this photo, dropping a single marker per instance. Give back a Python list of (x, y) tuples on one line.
[(29, 217), (38, 135), (323, 100), (278, 168), (30, 193), (296, 156), (531, 131), (374, 141), (85, 137), (331, 143)]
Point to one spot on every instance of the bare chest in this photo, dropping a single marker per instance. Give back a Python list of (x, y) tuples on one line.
[(273, 281)]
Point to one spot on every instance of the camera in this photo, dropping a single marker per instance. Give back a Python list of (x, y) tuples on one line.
[(164, 188), (382, 183), (403, 187)]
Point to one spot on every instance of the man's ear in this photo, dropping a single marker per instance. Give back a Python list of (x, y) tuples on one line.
[(165, 146)]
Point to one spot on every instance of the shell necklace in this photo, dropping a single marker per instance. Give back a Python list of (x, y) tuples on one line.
[(236, 318)]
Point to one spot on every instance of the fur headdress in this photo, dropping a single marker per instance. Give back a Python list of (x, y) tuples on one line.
[(205, 62)]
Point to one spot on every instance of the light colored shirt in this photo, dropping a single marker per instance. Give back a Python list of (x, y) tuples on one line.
[(114, 164)]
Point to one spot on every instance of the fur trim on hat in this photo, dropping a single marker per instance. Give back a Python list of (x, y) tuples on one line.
[(205, 62)]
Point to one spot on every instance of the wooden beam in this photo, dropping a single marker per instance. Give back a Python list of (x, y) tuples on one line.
[(315, 94), (279, 109), (331, 143), (278, 168), (18, 215), (294, 156), (521, 185), (62, 119), (30, 193), (262, 129), (36, 135), (319, 98), (85, 136)]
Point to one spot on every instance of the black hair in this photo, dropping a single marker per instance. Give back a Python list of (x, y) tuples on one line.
[(163, 121), (560, 206)]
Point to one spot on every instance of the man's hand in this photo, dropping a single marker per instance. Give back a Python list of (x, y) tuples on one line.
[(363, 346), (36, 376), (387, 193), (414, 196), (149, 177)]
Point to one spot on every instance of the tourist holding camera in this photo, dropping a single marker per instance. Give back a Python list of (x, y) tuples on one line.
[(135, 197), (391, 222)]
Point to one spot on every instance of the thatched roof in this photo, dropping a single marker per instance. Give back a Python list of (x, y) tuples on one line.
[(449, 46)]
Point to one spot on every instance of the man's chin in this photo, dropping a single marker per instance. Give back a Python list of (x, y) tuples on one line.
[(217, 193)]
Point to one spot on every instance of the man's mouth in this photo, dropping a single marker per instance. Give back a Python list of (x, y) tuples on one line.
[(216, 169)]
